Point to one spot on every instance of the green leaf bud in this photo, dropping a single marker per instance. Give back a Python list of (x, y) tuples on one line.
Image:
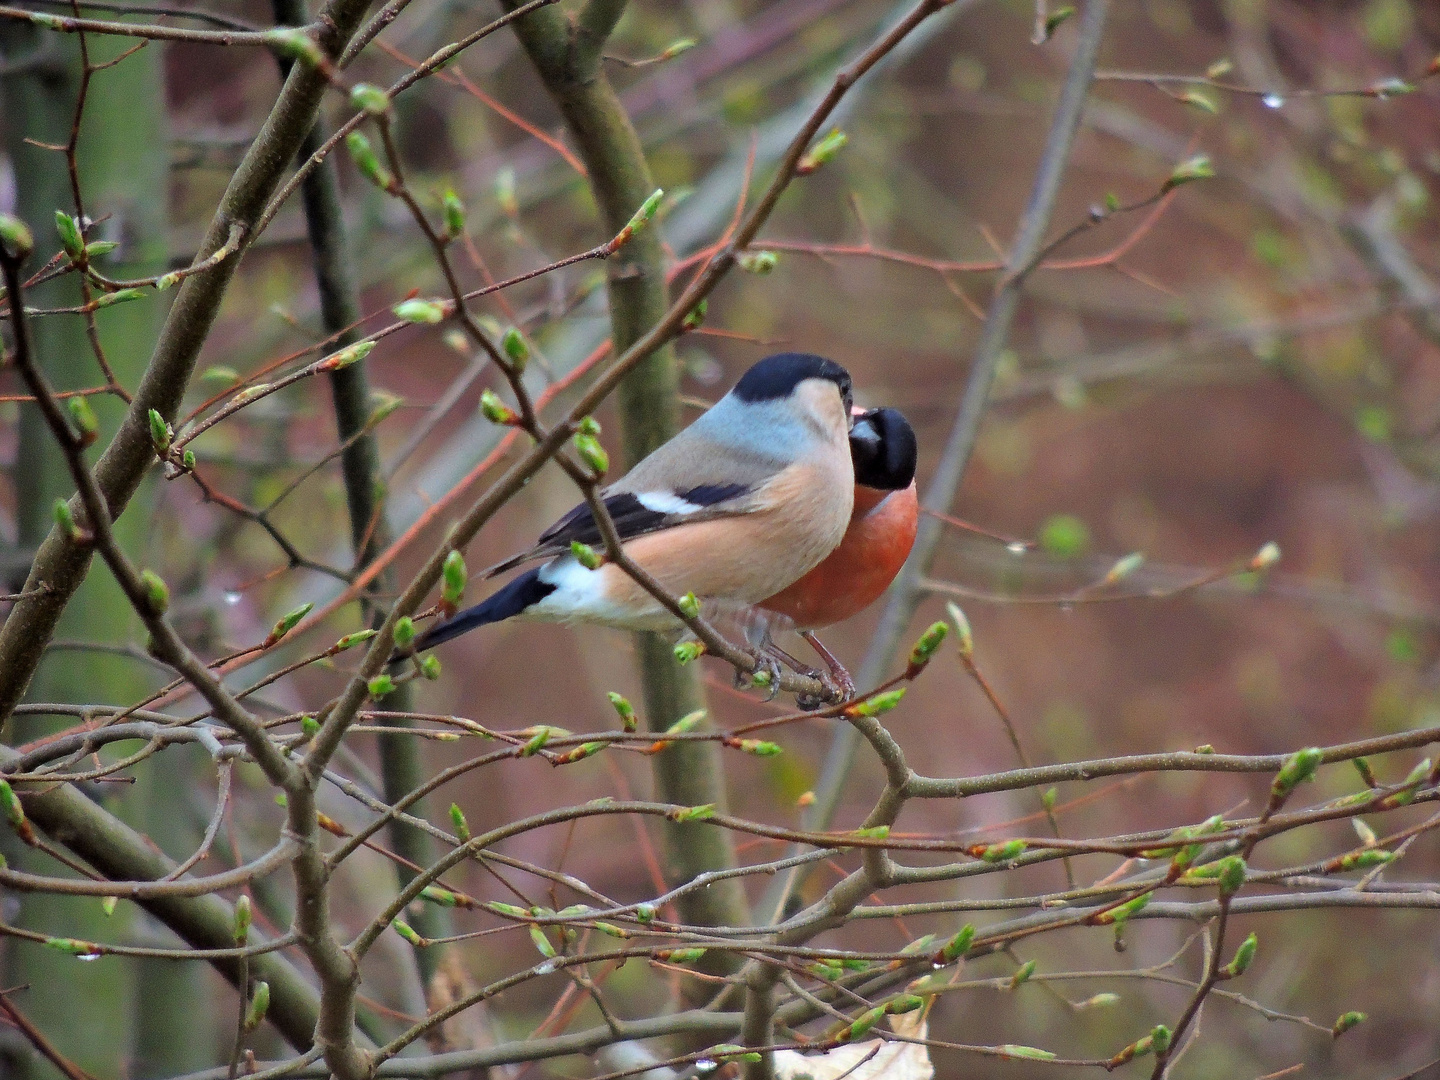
[(690, 605), (309, 726), (343, 358), (454, 576), (495, 410), (119, 296), (958, 945), (1189, 170), (288, 622), (453, 210), (420, 311), (963, 636), (516, 348), (66, 521), (457, 819), (1002, 852), (16, 236), (242, 919), (87, 424), (160, 433), (638, 220), (406, 931), (430, 668), (693, 813), (687, 651), (295, 44), (157, 593), (822, 152), (757, 262), (370, 99), (1243, 956), (928, 643), (381, 686), (589, 450), (1029, 1052), (404, 632), (1345, 1022), (349, 641), (70, 235), (624, 709), (586, 555), (1299, 767), (876, 704)]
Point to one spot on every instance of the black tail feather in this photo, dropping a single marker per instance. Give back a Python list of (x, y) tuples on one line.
[(525, 591)]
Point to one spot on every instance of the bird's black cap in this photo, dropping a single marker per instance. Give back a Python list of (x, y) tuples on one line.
[(883, 448), (773, 378)]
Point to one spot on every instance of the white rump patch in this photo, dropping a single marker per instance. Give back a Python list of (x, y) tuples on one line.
[(666, 502)]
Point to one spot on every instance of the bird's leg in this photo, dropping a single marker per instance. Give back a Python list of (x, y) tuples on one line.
[(841, 677)]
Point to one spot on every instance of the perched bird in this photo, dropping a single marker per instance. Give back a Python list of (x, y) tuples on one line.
[(743, 502), (883, 522)]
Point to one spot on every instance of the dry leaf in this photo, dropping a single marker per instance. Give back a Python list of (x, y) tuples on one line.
[(873, 1059)]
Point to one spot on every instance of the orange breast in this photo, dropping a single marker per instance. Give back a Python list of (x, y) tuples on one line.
[(852, 577)]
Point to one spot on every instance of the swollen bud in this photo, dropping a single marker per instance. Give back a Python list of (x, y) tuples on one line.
[(16, 235), (404, 632), (420, 311), (586, 555), (160, 433), (822, 152), (370, 99), (690, 605), (876, 703), (1266, 557), (1243, 956), (380, 686), (363, 154), (343, 358), (296, 44), (1299, 767), (70, 236), (927, 645), (453, 211), (757, 262), (288, 622), (516, 348), (430, 668), (964, 638), (1345, 1023), (589, 450), (624, 708), (457, 819), (687, 651), (495, 410), (259, 1005), (86, 422), (66, 521), (454, 576), (639, 219), (1200, 100), (242, 919), (998, 853), (15, 813), (1189, 170), (959, 945), (1123, 568), (119, 296), (157, 593)]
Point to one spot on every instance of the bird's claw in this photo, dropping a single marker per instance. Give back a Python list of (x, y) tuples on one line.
[(767, 674), (837, 690)]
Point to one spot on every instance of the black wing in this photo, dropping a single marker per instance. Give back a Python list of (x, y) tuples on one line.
[(632, 517)]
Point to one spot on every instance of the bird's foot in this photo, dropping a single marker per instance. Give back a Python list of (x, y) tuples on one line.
[(766, 674), (836, 676)]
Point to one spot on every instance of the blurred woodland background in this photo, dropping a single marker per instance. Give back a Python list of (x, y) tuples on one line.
[(1246, 359)]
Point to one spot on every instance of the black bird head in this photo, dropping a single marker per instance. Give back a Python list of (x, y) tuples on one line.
[(883, 448)]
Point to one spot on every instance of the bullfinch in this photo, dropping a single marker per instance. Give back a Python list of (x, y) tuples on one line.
[(883, 522), (735, 508)]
